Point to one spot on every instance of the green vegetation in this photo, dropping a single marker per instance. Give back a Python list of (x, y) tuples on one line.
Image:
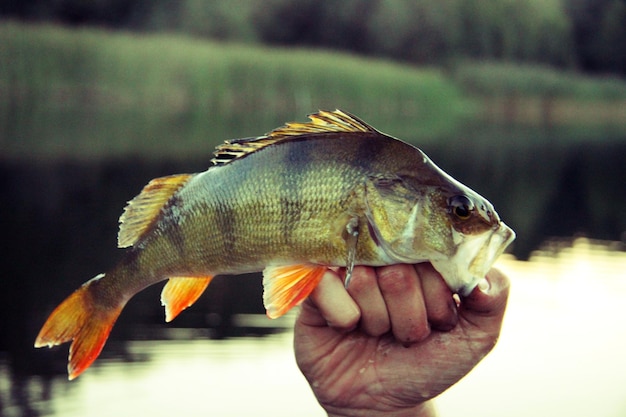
[(496, 79), (91, 93), (587, 35), (175, 95), (564, 103), (426, 31)]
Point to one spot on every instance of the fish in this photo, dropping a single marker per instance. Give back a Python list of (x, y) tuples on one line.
[(306, 197)]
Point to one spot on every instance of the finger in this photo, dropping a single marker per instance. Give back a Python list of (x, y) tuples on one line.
[(485, 306), (365, 291), (440, 305), (333, 303), (399, 285)]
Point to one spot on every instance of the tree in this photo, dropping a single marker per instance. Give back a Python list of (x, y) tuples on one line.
[(598, 32)]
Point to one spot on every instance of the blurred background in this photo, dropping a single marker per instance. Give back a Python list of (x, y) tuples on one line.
[(522, 100)]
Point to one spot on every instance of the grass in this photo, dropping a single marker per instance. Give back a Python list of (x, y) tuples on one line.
[(567, 103), (501, 78), (90, 93), (177, 95)]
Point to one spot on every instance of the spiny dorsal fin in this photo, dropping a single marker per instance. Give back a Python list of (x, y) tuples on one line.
[(320, 122), (142, 211)]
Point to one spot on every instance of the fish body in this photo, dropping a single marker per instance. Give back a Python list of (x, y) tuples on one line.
[(332, 192)]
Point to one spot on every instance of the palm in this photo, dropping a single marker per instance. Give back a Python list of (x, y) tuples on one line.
[(362, 372), (358, 371)]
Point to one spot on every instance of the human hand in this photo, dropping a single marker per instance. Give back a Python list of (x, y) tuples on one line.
[(394, 339)]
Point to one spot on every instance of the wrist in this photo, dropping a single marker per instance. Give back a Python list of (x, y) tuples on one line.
[(425, 409)]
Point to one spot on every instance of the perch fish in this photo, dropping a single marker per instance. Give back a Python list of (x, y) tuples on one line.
[(330, 192)]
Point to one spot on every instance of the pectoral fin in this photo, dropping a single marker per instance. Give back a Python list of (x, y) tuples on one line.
[(286, 286), (180, 293)]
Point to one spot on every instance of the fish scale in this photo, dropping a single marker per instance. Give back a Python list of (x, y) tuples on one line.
[(331, 192), (261, 209)]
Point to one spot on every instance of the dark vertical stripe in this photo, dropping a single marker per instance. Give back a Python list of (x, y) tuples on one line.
[(130, 262), (369, 151), (296, 163), (226, 223), (172, 229), (291, 215)]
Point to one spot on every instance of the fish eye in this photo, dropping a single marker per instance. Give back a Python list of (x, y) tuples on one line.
[(461, 206)]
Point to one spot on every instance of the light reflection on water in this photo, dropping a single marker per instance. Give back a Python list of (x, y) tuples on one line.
[(562, 346), (187, 378), (235, 377), (561, 353)]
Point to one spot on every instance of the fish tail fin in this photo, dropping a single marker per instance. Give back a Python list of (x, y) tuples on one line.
[(82, 321)]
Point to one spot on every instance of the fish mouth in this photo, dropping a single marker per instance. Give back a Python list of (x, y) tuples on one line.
[(473, 258)]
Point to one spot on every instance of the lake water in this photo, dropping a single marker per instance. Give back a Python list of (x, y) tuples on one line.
[(561, 353)]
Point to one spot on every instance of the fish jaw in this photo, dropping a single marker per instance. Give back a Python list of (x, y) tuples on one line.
[(474, 256)]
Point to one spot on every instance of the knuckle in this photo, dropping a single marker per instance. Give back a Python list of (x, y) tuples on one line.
[(362, 280), (443, 318), (395, 281)]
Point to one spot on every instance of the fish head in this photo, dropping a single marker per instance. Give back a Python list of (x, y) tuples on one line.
[(433, 217), (474, 239)]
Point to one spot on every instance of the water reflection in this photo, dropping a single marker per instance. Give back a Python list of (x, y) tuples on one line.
[(236, 377), (561, 353), (562, 344)]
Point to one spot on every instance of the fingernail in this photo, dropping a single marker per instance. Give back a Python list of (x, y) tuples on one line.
[(484, 286)]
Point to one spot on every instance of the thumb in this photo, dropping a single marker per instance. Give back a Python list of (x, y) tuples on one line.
[(485, 306)]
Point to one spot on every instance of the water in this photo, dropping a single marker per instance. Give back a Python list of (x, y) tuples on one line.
[(561, 353), (562, 346), (237, 377)]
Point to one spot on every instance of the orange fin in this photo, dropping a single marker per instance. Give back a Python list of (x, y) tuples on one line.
[(80, 320), (180, 293), (286, 286), (323, 122), (143, 210), (320, 122)]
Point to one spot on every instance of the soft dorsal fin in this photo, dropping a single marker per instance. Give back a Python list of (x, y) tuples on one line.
[(320, 122), (142, 211)]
